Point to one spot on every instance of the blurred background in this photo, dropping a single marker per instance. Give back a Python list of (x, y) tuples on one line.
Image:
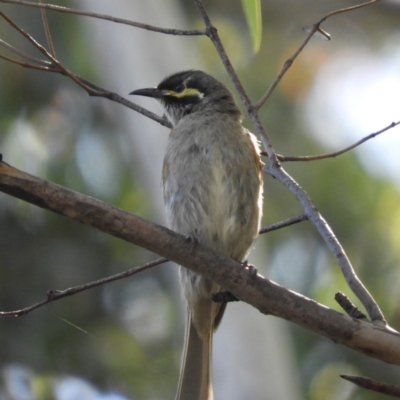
[(124, 340)]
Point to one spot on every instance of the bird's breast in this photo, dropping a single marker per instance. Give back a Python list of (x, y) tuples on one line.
[(212, 188)]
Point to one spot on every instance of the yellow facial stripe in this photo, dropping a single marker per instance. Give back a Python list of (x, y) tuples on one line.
[(185, 93)]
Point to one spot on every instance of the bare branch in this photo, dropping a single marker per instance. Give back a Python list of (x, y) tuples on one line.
[(268, 297), (347, 9), (283, 224), (54, 295), (337, 153), (288, 63), (178, 32), (367, 383)]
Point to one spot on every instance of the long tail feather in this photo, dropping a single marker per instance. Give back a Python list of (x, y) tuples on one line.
[(195, 377)]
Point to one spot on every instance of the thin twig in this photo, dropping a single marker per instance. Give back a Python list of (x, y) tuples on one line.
[(23, 54), (348, 306), (288, 63), (336, 153), (53, 7), (47, 31), (28, 65), (347, 9), (367, 383), (283, 224), (54, 295)]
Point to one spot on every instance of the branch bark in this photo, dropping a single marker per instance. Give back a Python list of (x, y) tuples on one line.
[(268, 297)]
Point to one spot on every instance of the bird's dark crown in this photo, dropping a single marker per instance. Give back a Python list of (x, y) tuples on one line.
[(190, 86), (187, 91)]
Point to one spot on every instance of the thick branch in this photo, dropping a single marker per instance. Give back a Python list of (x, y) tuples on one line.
[(268, 297)]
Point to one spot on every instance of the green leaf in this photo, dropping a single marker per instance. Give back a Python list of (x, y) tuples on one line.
[(252, 11)]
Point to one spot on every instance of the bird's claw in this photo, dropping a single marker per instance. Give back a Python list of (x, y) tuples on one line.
[(253, 271)]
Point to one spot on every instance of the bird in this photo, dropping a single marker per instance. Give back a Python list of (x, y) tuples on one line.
[(213, 194)]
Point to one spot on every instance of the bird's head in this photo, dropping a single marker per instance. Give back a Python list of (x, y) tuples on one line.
[(188, 91)]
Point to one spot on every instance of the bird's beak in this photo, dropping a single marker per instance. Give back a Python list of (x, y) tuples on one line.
[(148, 92)]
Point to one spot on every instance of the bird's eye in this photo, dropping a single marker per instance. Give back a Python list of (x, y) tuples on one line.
[(179, 88)]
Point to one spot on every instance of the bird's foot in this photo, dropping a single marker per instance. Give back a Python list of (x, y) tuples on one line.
[(191, 238)]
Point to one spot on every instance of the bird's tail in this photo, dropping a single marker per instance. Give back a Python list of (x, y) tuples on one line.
[(195, 382)]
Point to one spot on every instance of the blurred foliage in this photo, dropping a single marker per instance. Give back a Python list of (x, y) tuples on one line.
[(252, 11), (49, 128)]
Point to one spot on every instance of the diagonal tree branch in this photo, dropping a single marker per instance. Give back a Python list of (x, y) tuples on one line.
[(378, 342), (332, 243)]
